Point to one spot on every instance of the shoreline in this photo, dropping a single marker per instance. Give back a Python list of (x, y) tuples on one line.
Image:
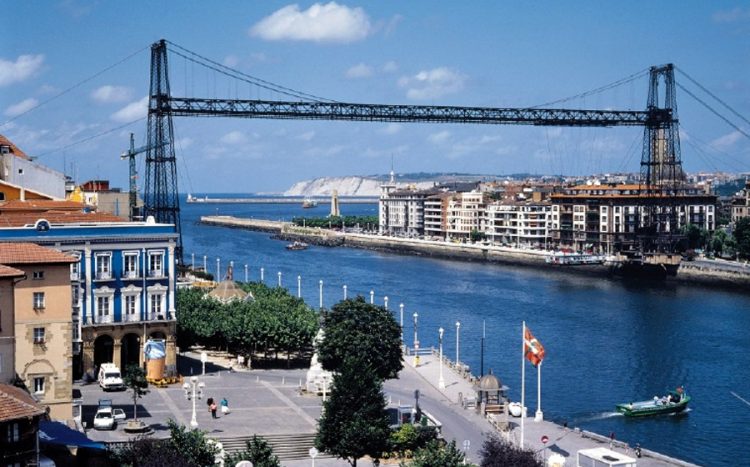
[(715, 273)]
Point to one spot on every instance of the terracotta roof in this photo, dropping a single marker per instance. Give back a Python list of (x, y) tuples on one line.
[(19, 219), (13, 148), (15, 403), (7, 271), (31, 253), (41, 205)]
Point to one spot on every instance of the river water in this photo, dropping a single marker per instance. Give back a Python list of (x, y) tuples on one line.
[(606, 341)]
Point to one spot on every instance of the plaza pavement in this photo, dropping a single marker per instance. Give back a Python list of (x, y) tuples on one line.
[(270, 402)]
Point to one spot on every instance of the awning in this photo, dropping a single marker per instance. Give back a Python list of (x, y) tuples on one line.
[(59, 433)]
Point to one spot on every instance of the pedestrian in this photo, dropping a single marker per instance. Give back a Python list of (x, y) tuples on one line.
[(212, 408), (224, 406)]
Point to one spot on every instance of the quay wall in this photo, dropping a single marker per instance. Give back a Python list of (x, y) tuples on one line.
[(699, 273)]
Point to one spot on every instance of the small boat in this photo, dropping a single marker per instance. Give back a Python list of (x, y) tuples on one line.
[(309, 203), (514, 408), (297, 246), (573, 259), (674, 402)]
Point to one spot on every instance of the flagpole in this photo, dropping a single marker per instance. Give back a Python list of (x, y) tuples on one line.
[(539, 415), (523, 379)]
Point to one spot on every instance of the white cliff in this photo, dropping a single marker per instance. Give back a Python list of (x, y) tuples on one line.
[(346, 186)]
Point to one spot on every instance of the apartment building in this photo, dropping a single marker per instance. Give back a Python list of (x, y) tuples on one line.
[(608, 217), (466, 213), (518, 223), (19, 423), (8, 278), (43, 324), (436, 215), (741, 204)]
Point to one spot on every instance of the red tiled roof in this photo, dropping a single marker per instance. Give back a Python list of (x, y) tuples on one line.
[(15, 403), (7, 271), (40, 205), (19, 219), (13, 148), (31, 253)]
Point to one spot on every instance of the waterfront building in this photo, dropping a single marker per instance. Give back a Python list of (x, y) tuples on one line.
[(518, 223), (19, 169), (122, 286), (19, 423), (466, 214), (741, 203), (8, 278), (99, 194), (401, 211), (606, 218), (436, 215), (43, 324)]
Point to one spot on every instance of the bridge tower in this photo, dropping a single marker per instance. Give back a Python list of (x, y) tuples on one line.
[(160, 195)]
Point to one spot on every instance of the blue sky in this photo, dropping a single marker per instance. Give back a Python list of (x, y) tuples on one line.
[(482, 53)]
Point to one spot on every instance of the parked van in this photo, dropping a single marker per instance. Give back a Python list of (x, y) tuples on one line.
[(110, 377)]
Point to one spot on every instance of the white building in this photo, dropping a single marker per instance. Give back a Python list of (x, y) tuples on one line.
[(518, 223)]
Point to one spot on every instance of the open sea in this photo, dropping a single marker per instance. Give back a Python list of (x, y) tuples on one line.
[(607, 341)]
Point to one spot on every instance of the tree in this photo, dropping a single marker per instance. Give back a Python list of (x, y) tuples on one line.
[(354, 421), (366, 333), (257, 451), (497, 452), (695, 237), (135, 380), (437, 454), (719, 242), (192, 445), (742, 236)]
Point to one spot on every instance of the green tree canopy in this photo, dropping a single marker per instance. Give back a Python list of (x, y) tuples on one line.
[(257, 451), (354, 421), (497, 452), (437, 454), (135, 380), (365, 333), (742, 236)]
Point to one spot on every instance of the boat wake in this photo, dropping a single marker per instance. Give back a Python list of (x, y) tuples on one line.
[(597, 416)]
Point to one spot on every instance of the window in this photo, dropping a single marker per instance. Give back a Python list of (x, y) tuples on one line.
[(131, 306), (102, 306), (39, 385), (38, 275), (38, 300), (75, 295), (39, 335), (130, 265), (155, 264), (156, 303), (103, 266), (14, 434), (75, 269)]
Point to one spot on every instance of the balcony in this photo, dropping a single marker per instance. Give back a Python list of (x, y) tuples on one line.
[(129, 275), (75, 276), (103, 276), (104, 319), (156, 274), (131, 317)]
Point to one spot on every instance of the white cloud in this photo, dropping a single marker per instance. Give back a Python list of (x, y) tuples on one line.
[(231, 61), (439, 137), (327, 151), (21, 107), (234, 138), (359, 71), (391, 129), (725, 142), (392, 23), (24, 67), (319, 23), (732, 16), (108, 94), (390, 67), (306, 136), (183, 143), (132, 111), (431, 84)]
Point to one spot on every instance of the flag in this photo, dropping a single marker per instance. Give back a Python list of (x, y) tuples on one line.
[(533, 349)]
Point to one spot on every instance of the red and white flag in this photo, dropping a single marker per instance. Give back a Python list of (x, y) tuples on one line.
[(533, 349)]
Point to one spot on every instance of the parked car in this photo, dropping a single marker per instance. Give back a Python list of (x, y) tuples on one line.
[(110, 377), (106, 417)]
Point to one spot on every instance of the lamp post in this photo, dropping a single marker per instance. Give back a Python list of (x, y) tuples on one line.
[(344, 292), (372, 297), (246, 275), (192, 261), (416, 341), (205, 258), (321, 294), (261, 274), (458, 329), (299, 286), (401, 306), (192, 395), (279, 278), (218, 269), (441, 381)]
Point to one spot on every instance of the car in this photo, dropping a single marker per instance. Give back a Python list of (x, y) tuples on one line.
[(106, 418)]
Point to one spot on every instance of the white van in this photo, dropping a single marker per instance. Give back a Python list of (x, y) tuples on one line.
[(110, 377)]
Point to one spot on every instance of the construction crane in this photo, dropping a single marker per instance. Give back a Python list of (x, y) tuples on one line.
[(133, 174)]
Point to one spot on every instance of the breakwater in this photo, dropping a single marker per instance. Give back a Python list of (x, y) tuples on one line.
[(712, 273), (279, 200)]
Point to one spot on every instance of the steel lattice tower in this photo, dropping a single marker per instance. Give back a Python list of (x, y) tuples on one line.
[(161, 196)]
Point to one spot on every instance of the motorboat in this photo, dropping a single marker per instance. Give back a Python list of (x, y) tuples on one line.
[(673, 402), (297, 246)]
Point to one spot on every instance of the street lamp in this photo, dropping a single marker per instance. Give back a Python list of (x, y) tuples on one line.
[(372, 297), (458, 328), (401, 306), (416, 341), (204, 263), (279, 278), (385, 302), (299, 286), (246, 278), (441, 381), (261, 274), (192, 261), (218, 269), (321, 294), (344, 292), (192, 395)]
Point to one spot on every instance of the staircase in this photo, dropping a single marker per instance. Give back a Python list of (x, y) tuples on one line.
[(286, 446)]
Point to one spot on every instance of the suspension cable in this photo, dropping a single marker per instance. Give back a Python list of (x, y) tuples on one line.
[(89, 138), (711, 109), (236, 74), (606, 87), (703, 88), (78, 84)]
